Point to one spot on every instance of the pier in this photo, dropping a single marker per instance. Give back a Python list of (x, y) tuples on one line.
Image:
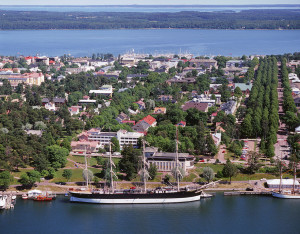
[(238, 193)]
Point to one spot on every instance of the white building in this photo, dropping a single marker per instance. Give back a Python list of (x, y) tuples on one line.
[(124, 137), (166, 161), (106, 90), (286, 183)]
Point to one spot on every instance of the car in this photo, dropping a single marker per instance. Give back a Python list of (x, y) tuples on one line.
[(203, 160), (223, 151), (132, 187), (263, 179)]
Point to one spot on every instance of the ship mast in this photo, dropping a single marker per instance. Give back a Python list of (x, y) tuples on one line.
[(178, 173), (280, 185), (86, 170), (111, 170), (294, 181), (144, 167)]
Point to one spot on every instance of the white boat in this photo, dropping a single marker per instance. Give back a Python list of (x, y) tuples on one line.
[(287, 194), (34, 193), (2, 202), (205, 195)]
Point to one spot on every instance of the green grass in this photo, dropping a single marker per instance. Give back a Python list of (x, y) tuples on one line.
[(215, 167), (189, 178)]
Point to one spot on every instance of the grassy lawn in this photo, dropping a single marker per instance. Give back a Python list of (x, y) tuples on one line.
[(20, 172), (76, 176), (215, 167)]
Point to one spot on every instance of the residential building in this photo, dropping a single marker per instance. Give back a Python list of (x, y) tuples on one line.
[(207, 63), (229, 107), (286, 184), (199, 106), (105, 90), (160, 110), (144, 124)]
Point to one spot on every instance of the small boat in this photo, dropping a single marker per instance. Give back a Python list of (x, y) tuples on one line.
[(42, 198), (205, 195), (2, 202), (24, 196)]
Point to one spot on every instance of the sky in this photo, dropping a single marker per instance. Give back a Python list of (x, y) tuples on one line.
[(145, 2)]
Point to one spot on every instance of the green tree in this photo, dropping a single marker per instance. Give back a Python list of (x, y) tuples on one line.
[(57, 156), (208, 174), (238, 92), (229, 170), (5, 179), (30, 178), (129, 162), (152, 171), (67, 174), (115, 144)]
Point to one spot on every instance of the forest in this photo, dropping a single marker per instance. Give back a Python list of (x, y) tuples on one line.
[(247, 19)]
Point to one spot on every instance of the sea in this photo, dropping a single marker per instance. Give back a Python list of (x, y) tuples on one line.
[(149, 41), (143, 8), (220, 214)]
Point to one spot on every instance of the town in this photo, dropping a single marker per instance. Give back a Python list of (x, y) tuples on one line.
[(235, 118)]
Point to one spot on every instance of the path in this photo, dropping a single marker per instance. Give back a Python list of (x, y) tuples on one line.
[(282, 148)]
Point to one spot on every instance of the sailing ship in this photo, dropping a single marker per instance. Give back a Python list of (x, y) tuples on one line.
[(287, 194), (138, 196)]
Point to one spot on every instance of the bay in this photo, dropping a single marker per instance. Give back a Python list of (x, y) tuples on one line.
[(132, 8), (151, 41), (240, 214)]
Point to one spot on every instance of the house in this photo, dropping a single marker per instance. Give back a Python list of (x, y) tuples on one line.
[(165, 98), (199, 106), (160, 110), (207, 63), (217, 138), (121, 117), (105, 90), (34, 132), (141, 104), (59, 101), (181, 124), (234, 63), (45, 101), (75, 110), (80, 147), (297, 129), (246, 88), (165, 161), (50, 106), (297, 101), (144, 124), (229, 107)]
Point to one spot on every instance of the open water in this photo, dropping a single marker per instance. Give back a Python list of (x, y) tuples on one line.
[(240, 214), (152, 41), (132, 8)]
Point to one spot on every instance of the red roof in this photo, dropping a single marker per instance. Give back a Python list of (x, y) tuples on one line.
[(181, 123), (149, 119), (214, 114)]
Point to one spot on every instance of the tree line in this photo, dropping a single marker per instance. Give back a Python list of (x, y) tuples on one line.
[(247, 19), (262, 118)]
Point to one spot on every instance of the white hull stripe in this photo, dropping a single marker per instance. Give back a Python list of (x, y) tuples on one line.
[(286, 196), (135, 201)]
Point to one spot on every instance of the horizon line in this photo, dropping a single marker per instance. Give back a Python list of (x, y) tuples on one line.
[(163, 5)]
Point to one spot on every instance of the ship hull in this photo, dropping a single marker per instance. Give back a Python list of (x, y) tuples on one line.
[(156, 198), (285, 196)]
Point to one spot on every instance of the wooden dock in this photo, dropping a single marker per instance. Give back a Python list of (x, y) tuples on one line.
[(238, 193)]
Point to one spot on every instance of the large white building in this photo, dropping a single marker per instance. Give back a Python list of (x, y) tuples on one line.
[(106, 90), (124, 137)]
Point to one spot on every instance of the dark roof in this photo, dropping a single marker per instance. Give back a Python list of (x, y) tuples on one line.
[(62, 100), (46, 100), (197, 105)]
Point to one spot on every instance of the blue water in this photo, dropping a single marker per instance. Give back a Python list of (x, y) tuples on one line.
[(217, 215), (139, 8), (152, 41)]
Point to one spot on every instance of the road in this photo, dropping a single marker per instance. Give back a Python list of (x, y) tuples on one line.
[(282, 148)]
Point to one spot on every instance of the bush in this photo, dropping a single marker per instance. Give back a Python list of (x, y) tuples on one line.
[(219, 174)]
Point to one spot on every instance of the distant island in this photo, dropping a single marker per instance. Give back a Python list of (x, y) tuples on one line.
[(246, 19)]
